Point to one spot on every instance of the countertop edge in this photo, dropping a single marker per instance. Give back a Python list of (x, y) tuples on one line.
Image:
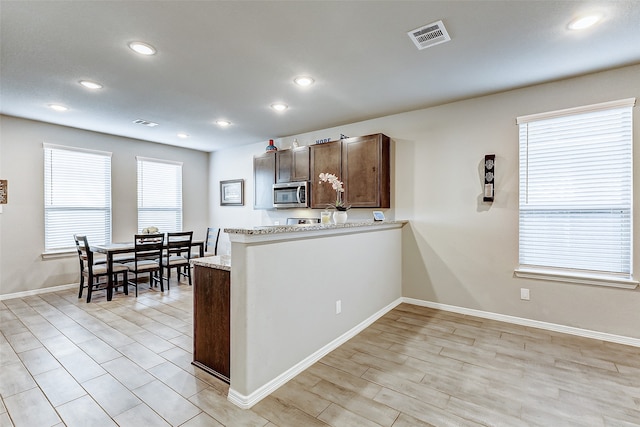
[(217, 262), (294, 232), (275, 229)]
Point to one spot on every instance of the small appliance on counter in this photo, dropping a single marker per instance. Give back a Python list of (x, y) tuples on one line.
[(302, 221)]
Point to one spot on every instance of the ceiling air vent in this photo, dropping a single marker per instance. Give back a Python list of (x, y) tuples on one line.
[(429, 35), (145, 123)]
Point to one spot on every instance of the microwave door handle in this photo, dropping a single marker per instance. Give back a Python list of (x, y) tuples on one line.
[(298, 194)]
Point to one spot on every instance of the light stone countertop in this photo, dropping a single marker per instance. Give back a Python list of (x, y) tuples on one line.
[(277, 229), (218, 262)]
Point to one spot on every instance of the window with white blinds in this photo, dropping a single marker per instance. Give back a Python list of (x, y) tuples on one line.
[(77, 196), (576, 178), (159, 195)]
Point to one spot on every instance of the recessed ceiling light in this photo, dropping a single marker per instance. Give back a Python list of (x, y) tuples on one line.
[(90, 85), (279, 106), (584, 22), (223, 123), (303, 81), (58, 107), (142, 48), (183, 135)]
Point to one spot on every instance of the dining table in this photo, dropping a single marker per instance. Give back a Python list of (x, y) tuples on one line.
[(112, 249)]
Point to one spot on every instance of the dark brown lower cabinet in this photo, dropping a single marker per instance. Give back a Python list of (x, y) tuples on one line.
[(211, 309)]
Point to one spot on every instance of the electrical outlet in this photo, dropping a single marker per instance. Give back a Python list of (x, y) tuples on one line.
[(338, 306), (524, 294)]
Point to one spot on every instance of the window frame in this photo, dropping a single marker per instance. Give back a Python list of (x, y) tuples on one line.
[(51, 206), (569, 275)]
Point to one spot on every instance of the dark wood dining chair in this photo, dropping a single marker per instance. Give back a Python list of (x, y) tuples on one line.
[(148, 250), (93, 271), (178, 255), (211, 243)]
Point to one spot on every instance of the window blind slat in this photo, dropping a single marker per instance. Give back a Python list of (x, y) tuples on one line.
[(576, 177)]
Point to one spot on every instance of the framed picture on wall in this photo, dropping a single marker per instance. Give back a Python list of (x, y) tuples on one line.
[(232, 192)]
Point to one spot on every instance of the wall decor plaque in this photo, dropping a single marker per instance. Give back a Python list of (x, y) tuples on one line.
[(4, 191)]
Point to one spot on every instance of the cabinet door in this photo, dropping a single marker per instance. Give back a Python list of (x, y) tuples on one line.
[(292, 165), (300, 166), (211, 321), (325, 158), (365, 171), (264, 176), (284, 165)]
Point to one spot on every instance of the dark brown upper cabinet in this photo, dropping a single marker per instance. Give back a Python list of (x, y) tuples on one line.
[(292, 164), (362, 163), (365, 171), (264, 176), (325, 158)]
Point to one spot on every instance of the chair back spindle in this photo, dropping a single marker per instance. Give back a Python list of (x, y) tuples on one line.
[(211, 243)]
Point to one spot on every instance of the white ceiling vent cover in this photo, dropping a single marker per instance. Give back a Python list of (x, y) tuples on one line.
[(145, 123), (429, 35)]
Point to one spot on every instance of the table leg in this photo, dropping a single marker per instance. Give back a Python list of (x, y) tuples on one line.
[(109, 276)]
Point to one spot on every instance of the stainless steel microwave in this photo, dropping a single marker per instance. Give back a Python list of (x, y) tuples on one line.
[(291, 195)]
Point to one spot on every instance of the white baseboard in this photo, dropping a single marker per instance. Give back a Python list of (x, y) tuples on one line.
[(38, 291), (586, 333), (247, 402)]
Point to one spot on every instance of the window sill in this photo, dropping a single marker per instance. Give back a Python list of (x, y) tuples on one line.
[(576, 278), (60, 253)]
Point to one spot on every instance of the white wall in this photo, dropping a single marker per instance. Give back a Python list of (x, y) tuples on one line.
[(22, 221), (284, 293), (458, 250)]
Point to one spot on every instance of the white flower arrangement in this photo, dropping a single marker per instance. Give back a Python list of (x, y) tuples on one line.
[(150, 230), (339, 187)]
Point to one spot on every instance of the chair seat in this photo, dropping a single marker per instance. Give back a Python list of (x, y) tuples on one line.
[(206, 254), (145, 265), (102, 258), (100, 269), (123, 258), (174, 260)]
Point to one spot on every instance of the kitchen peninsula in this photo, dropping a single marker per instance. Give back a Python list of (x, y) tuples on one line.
[(295, 294)]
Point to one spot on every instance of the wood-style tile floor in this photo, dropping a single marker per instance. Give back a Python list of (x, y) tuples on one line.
[(127, 363)]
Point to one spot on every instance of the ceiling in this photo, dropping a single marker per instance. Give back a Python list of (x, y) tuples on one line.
[(233, 59)]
